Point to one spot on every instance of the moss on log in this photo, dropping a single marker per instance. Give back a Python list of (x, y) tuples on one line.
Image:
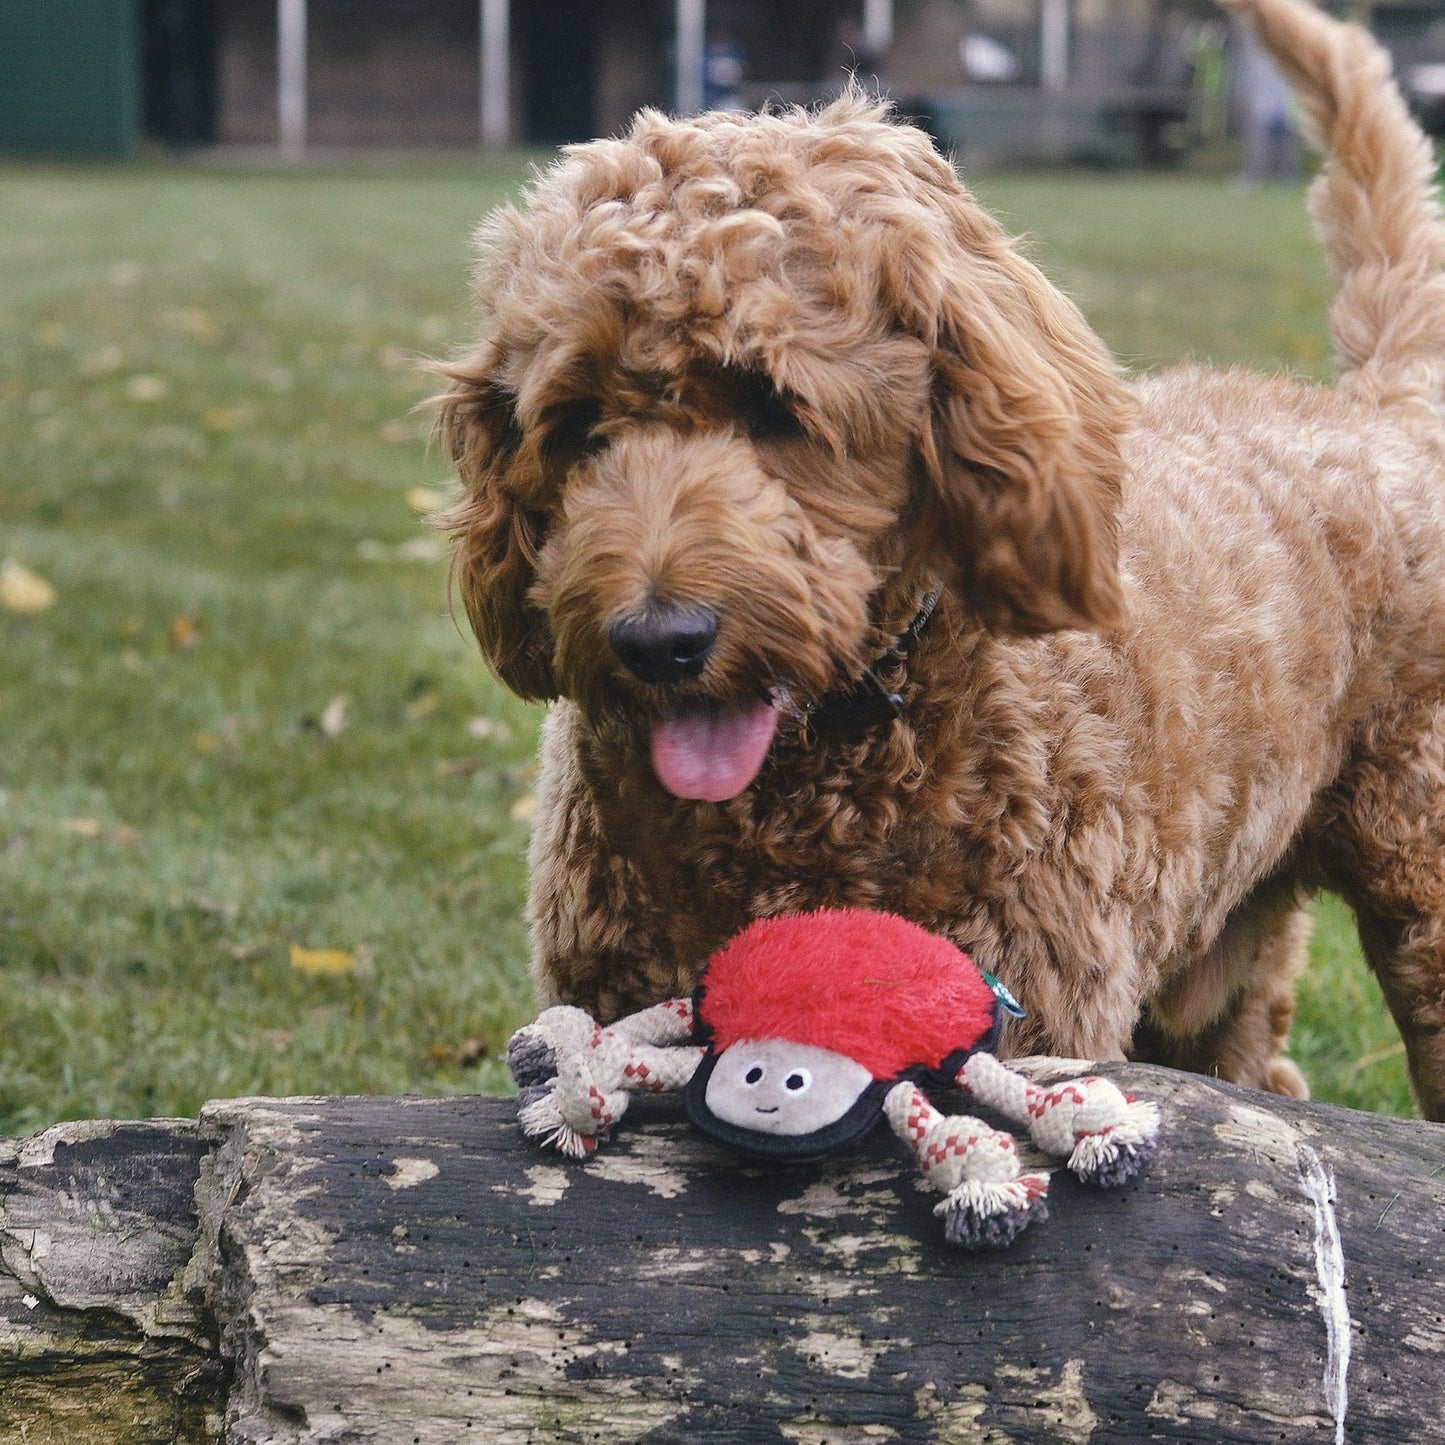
[(103, 1336)]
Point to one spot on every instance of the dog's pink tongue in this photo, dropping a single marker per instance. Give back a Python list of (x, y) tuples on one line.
[(713, 755)]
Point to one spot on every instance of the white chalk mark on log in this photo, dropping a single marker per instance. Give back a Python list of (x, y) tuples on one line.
[(650, 1162), (1318, 1184), (408, 1173), (1065, 1407), (839, 1352), (844, 1194), (1262, 1135), (546, 1185)]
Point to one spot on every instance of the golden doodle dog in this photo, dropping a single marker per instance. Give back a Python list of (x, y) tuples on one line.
[(859, 576)]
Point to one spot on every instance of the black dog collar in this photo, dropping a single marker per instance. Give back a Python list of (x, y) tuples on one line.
[(850, 714)]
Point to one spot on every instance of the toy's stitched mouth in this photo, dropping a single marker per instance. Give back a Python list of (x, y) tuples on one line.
[(762, 1110), (712, 751)]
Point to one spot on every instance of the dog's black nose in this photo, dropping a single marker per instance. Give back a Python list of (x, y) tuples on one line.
[(665, 642)]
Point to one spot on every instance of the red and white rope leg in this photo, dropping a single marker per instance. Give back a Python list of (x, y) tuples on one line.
[(1106, 1135), (988, 1201), (577, 1078)]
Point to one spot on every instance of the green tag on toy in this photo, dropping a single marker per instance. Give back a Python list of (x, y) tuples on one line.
[(1010, 1004)]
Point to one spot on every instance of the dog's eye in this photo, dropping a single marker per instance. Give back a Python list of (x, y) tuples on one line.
[(571, 431), (772, 415)]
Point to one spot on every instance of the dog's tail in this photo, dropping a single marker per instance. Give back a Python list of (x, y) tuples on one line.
[(1374, 202)]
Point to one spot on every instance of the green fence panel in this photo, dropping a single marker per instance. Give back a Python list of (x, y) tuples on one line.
[(69, 77)]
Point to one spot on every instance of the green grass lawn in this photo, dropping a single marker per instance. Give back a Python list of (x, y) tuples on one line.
[(262, 813)]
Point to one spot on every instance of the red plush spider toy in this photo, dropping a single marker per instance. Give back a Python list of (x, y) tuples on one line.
[(803, 1033)]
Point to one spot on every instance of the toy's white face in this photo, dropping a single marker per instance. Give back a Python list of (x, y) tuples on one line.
[(773, 1086)]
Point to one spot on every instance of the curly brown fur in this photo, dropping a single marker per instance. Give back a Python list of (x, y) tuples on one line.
[(1188, 661)]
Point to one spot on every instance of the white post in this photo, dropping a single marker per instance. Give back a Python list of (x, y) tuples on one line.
[(291, 76), (1054, 44), (877, 28), (496, 73), (691, 54)]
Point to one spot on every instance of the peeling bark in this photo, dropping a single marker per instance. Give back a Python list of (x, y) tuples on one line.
[(406, 1270), (104, 1335)]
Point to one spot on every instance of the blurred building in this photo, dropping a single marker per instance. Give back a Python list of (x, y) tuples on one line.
[(417, 72), (98, 75)]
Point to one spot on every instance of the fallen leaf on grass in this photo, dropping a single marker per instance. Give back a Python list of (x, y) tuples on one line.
[(317, 961), (193, 323), (333, 720), (121, 833), (244, 952), (418, 549), (422, 549), (428, 499), (484, 728), (22, 591), (458, 767), (147, 388), (226, 418), (462, 1056), (185, 634), (103, 361)]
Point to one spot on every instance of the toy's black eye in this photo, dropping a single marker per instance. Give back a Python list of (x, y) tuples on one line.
[(754, 1075), (798, 1081)]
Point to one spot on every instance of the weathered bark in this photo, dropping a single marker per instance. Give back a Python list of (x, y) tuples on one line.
[(413, 1270), (104, 1336)]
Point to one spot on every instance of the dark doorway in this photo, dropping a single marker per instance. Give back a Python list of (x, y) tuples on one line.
[(561, 71), (178, 46)]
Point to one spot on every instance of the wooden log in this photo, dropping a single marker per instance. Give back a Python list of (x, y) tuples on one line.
[(413, 1270), (104, 1335)]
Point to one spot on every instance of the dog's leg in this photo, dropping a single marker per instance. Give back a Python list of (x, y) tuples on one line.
[(1228, 1013), (1388, 844)]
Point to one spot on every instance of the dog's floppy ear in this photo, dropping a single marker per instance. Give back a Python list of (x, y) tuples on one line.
[(495, 535), (1021, 445)]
